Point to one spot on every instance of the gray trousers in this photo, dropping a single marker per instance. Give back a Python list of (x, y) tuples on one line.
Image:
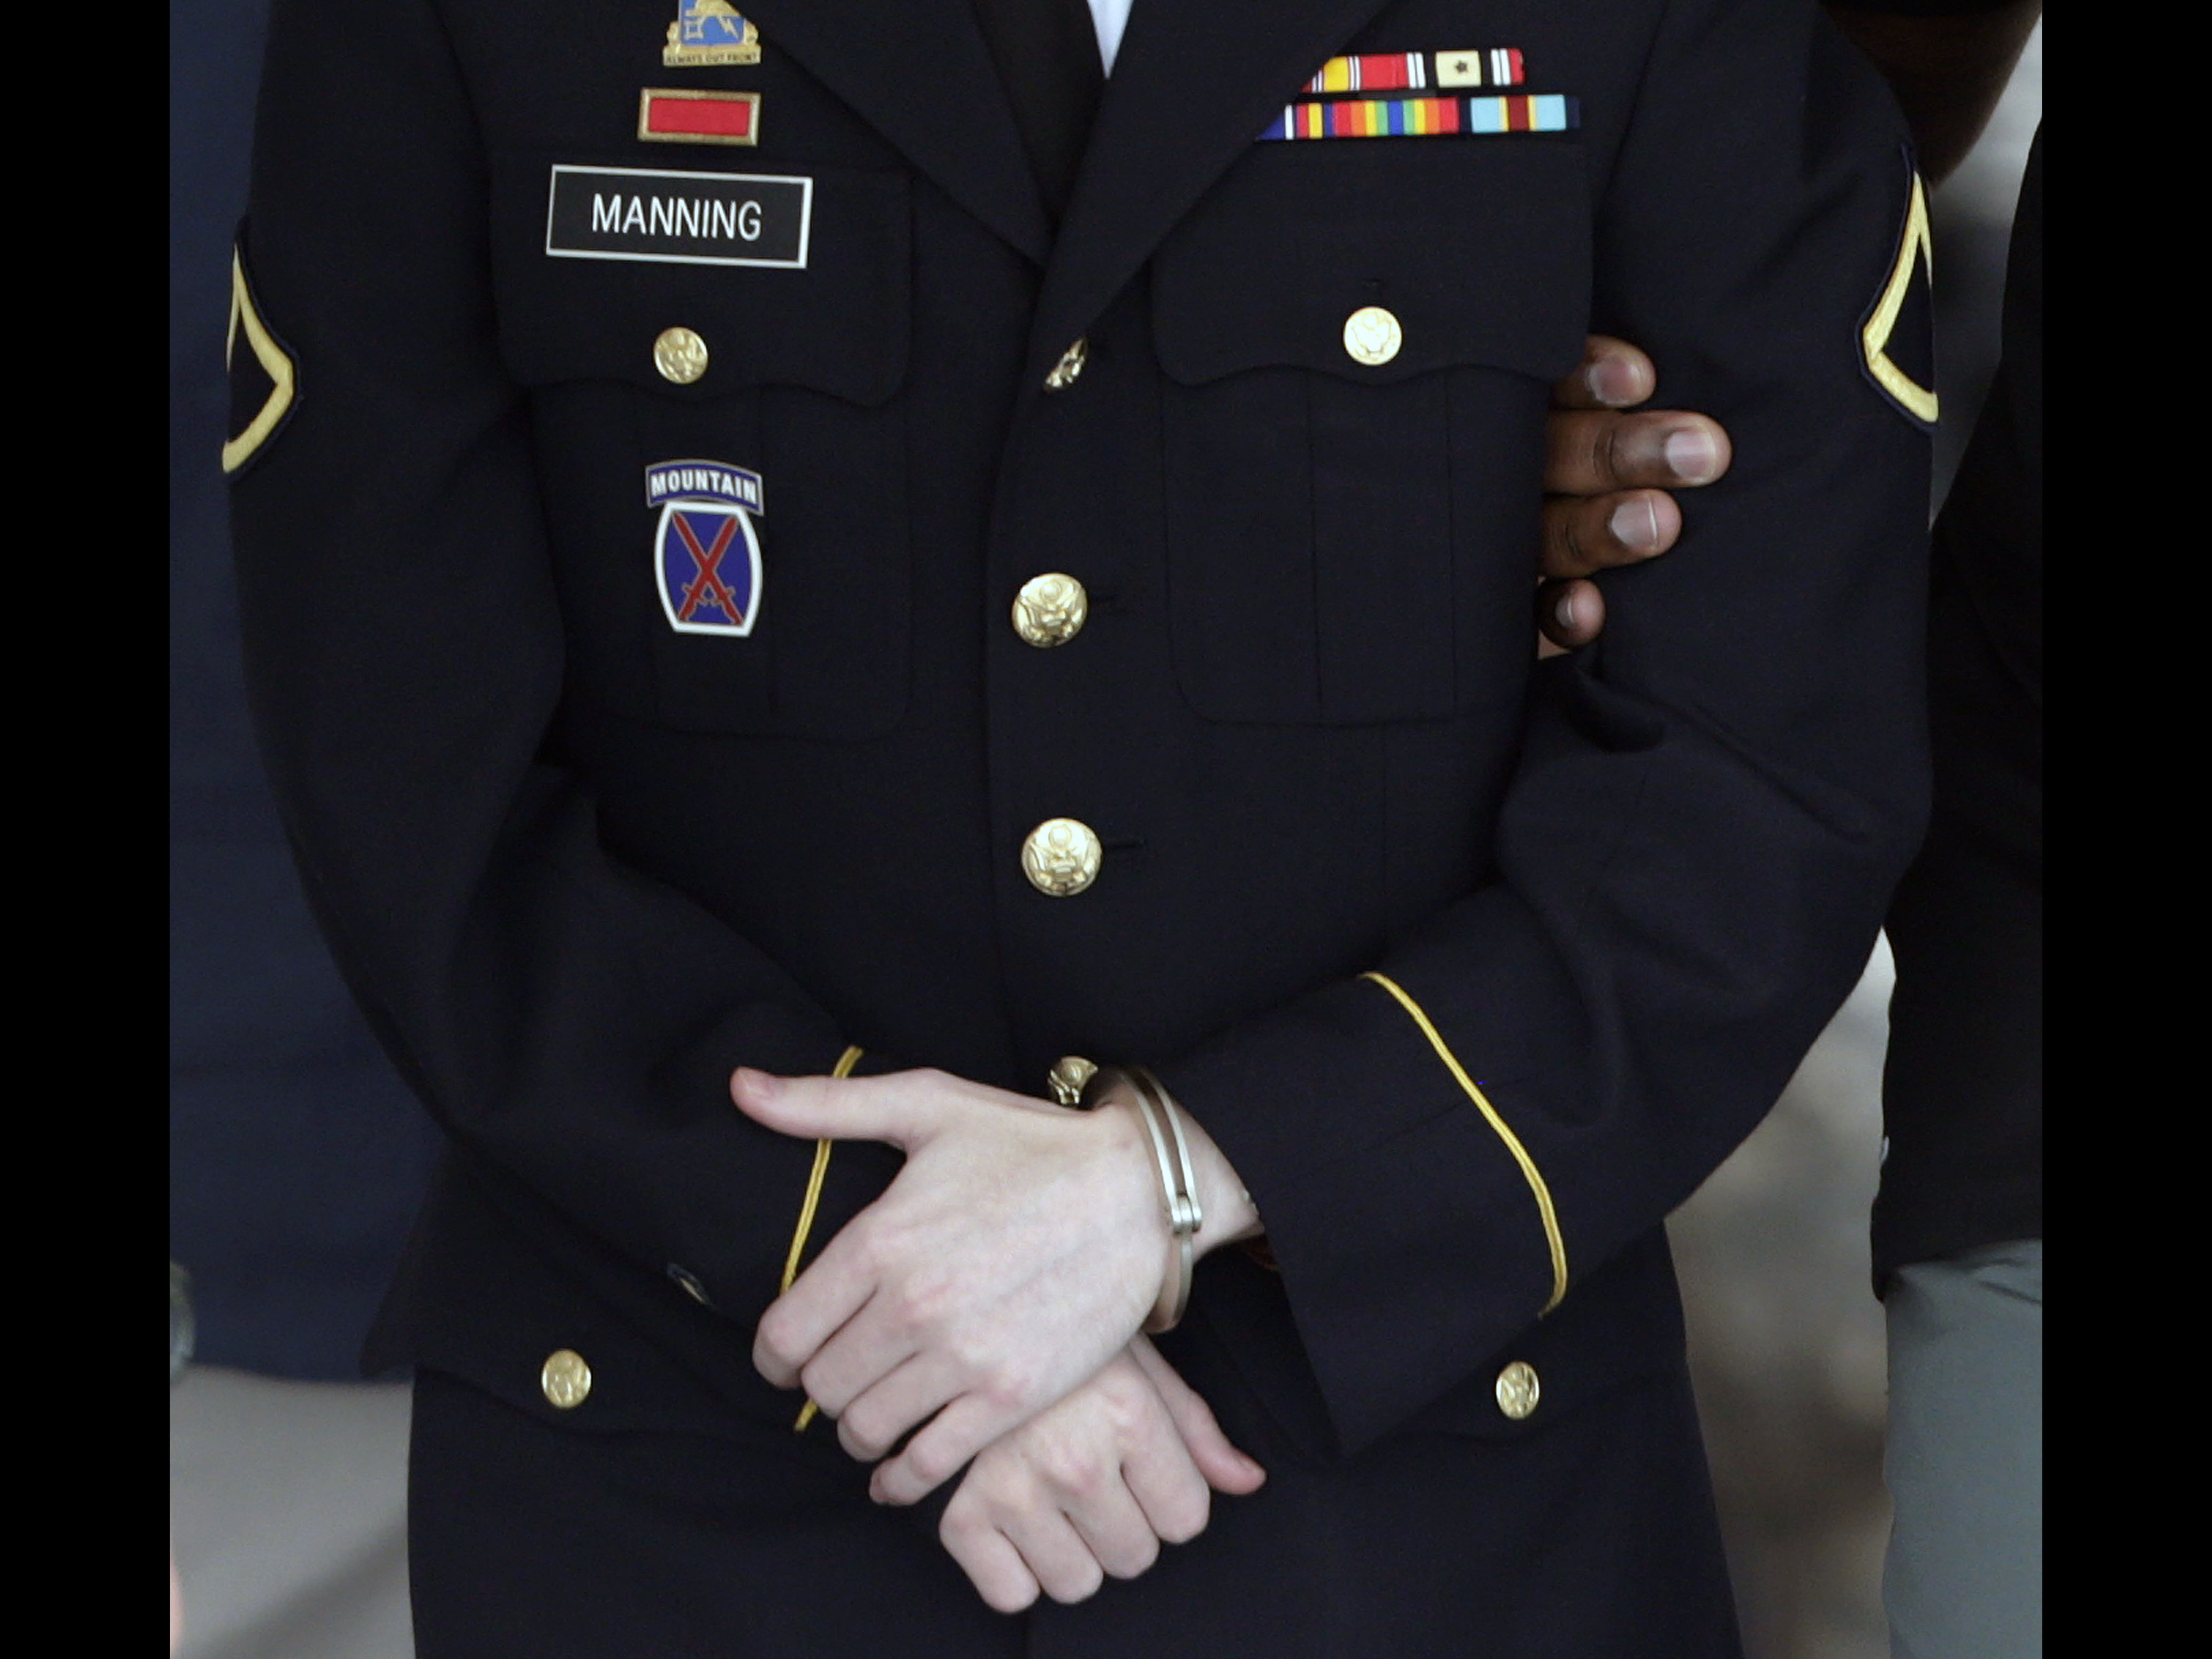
[(288, 1517), (1963, 1576)]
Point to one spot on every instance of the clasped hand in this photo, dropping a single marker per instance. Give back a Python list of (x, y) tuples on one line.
[(999, 1283), (1017, 1252), (1092, 1487)]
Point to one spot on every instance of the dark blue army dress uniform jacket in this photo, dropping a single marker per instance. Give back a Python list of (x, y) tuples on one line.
[(631, 522)]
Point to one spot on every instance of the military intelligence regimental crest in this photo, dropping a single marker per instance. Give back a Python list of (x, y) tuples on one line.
[(709, 31)]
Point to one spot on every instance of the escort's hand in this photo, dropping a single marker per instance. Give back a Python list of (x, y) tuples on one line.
[(1093, 1485), (1019, 1250), (1609, 473)]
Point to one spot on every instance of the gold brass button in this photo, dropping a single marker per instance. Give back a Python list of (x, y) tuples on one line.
[(1068, 1076), (1050, 609), (680, 356), (1372, 336), (1070, 366), (1060, 857), (1518, 1389), (565, 1380)]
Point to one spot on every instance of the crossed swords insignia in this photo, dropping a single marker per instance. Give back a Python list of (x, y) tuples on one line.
[(707, 587)]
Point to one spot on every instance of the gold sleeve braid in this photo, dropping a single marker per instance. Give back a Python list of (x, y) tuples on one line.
[(846, 1061), (1528, 1170)]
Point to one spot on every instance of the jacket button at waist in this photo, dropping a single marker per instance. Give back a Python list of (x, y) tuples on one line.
[(1050, 609), (1068, 1077), (1060, 857), (680, 356), (1070, 366), (565, 1380), (1372, 336), (1518, 1389)]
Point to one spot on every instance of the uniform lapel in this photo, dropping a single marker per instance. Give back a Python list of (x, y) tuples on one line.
[(1191, 85), (919, 72)]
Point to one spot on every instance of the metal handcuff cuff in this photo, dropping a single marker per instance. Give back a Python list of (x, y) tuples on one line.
[(1076, 1082)]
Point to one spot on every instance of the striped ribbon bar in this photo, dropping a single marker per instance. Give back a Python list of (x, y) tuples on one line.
[(1421, 118), (1412, 72)]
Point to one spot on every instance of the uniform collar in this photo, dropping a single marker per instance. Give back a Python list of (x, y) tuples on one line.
[(919, 72), (1192, 85)]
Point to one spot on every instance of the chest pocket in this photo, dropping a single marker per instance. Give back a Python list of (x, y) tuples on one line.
[(1353, 541), (803, 370)]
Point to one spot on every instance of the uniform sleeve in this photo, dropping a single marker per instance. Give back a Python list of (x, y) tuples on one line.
[(1926, 7), (1711, 803), (561, 1014)]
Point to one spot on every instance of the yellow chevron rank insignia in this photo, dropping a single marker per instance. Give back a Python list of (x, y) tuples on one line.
[(1896, 346), (263, 382)]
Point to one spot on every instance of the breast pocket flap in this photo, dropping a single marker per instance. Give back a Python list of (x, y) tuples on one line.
[(682, 302), (1379, 260)]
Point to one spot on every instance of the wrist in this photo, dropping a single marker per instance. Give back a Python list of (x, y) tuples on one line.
[(1132, 1095), (1230, 1214), (1202, 1204)]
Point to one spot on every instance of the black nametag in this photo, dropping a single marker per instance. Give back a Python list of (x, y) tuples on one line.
[(677, 218)]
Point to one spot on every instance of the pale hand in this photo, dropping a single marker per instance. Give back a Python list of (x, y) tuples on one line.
[(1092, 1486), (1019, 1249)]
